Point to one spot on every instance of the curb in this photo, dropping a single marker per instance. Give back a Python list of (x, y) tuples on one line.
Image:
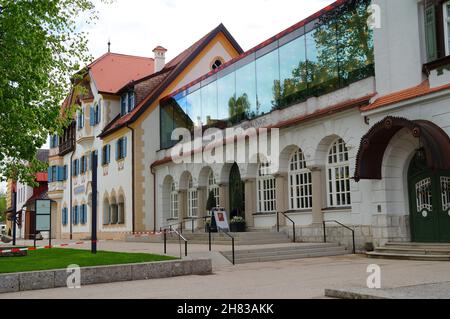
[(49, 279)]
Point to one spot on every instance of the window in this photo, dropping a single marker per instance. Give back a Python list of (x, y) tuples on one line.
[(300, 183), (54, 141), (64, 216), (75, 218), (174, 202), (83, 214), (121, 211), (121, 148), (338, 175), (83, 165), (266, 184), (80, 119), (216, 63), (213, 187), (447, 27), (114, 213), (76, 167), (95, 114), (106, 212), (192, 200), (106, 155), (127, 102)]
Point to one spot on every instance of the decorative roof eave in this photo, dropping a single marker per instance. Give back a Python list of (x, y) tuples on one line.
[(434, 140)]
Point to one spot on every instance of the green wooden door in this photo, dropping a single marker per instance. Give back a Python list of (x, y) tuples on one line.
[(429, 202)]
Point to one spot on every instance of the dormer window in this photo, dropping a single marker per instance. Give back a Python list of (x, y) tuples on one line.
[(127, 102)]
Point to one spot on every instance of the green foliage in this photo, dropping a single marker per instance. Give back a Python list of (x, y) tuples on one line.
[(2, 207), (237, 220), (211, 203), (41, 48)]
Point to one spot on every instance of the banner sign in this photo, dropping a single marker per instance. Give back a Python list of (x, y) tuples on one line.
[(220, 216)]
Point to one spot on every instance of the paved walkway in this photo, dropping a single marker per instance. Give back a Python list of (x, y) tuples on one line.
[(293, 279)]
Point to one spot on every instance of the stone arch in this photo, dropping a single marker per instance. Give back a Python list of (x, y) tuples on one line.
[(321, 151), (285, 158), (106, 209), (184, 180), (121, 203), (204, 175)]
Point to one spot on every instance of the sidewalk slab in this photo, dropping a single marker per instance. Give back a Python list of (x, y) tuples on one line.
[(427, 291)]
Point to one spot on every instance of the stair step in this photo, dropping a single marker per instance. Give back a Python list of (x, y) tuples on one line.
[(286, 248), (413, 251), (407, 256), (287, 257), (277, 253)]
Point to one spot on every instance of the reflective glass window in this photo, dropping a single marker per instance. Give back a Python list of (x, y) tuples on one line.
[(294, 78), (226, 90), (268, 82), (209, 104), (245, 100), (194, 108)]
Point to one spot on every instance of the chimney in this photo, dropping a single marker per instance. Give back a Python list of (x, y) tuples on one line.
[(160, 58)]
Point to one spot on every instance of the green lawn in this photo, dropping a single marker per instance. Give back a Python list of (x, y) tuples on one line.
[(49, 259)]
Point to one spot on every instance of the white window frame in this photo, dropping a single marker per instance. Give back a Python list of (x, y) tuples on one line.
[(445, 9), (213, 187), (338, 164), (266, 190), (192, 200), (174, 203), (300, 182)]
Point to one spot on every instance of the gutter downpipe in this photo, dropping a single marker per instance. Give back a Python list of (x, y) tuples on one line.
[(71, 190), (133, 204)]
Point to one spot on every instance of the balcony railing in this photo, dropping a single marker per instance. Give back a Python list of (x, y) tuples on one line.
[(66, 146)]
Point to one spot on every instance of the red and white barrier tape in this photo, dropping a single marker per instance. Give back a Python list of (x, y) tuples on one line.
[(140, 234), (16, 250)]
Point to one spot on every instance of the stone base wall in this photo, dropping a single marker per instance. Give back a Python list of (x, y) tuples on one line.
[(335, 234), (100, 236), (390, 228)]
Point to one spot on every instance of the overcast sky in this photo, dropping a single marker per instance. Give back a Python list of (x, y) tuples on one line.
[(137, 26)]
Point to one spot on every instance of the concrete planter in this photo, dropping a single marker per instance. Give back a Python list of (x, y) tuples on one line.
[(104, 274)]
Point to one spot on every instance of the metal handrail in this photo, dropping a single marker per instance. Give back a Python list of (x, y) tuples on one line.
[(180, 237), (232, 241), (342, 225), (170, 227), (288, 218)]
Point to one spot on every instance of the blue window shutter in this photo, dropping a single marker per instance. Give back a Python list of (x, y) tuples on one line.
[(65, 173), (123, 106), (86, 162), (117, 149), (50, 174), (91, 116), (109, 154), (60, 173), (77, 167), (124, 147)]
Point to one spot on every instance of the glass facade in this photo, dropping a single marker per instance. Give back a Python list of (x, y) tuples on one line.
[(324, 55)]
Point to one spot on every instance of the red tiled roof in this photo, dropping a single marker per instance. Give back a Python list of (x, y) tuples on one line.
[(167, 75), (404, 95), (113, 71)]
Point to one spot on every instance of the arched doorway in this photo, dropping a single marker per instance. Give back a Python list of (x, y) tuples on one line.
[(429, 193), (237, 193)]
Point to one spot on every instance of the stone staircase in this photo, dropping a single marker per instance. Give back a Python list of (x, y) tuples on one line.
[(297, 251), (413, 251), (248, 238)]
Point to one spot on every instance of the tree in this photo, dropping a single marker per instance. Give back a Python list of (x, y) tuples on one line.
[(2, 206), (41, 48)]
